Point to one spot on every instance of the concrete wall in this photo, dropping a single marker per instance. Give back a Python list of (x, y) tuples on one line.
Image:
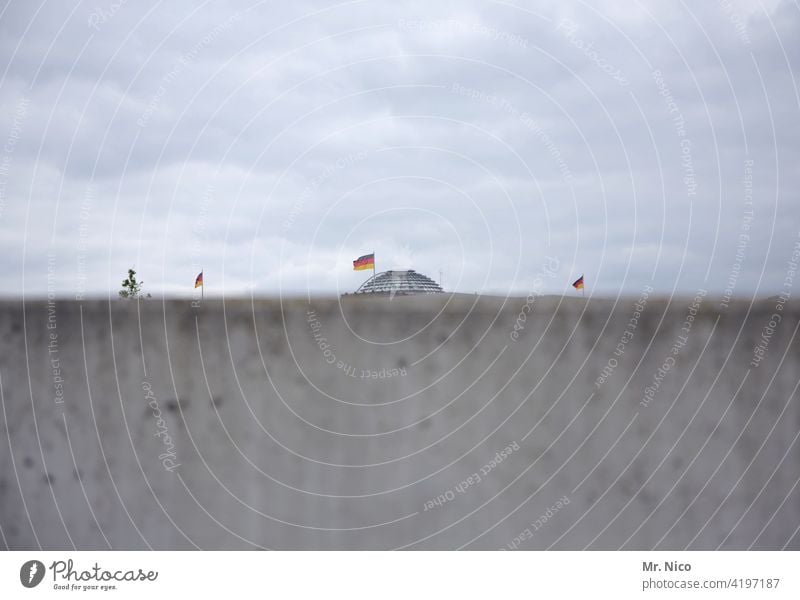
[(402, 423)]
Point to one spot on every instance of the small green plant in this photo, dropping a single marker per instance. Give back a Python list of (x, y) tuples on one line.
[(131, 288)]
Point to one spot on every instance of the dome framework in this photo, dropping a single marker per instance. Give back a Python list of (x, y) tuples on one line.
[(404, 283)]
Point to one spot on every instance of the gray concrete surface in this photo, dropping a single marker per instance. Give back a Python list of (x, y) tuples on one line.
[(227, 426)]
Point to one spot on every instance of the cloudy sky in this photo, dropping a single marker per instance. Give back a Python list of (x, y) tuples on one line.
[(270, 144)]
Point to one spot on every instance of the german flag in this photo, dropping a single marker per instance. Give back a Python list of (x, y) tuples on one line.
[(578, 285), (364, 262), (199, 280)]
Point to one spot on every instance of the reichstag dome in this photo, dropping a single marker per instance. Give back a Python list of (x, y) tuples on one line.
[(404, 283)]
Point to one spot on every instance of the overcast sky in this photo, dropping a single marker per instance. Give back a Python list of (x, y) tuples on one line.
[(270, 144)]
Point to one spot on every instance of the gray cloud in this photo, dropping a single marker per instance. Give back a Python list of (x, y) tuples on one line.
[(270, 146)]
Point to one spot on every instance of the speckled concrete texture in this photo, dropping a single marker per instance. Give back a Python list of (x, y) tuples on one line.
[(420, 423)]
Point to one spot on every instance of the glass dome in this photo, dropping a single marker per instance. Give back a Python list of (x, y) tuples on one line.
[(400, 282)]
